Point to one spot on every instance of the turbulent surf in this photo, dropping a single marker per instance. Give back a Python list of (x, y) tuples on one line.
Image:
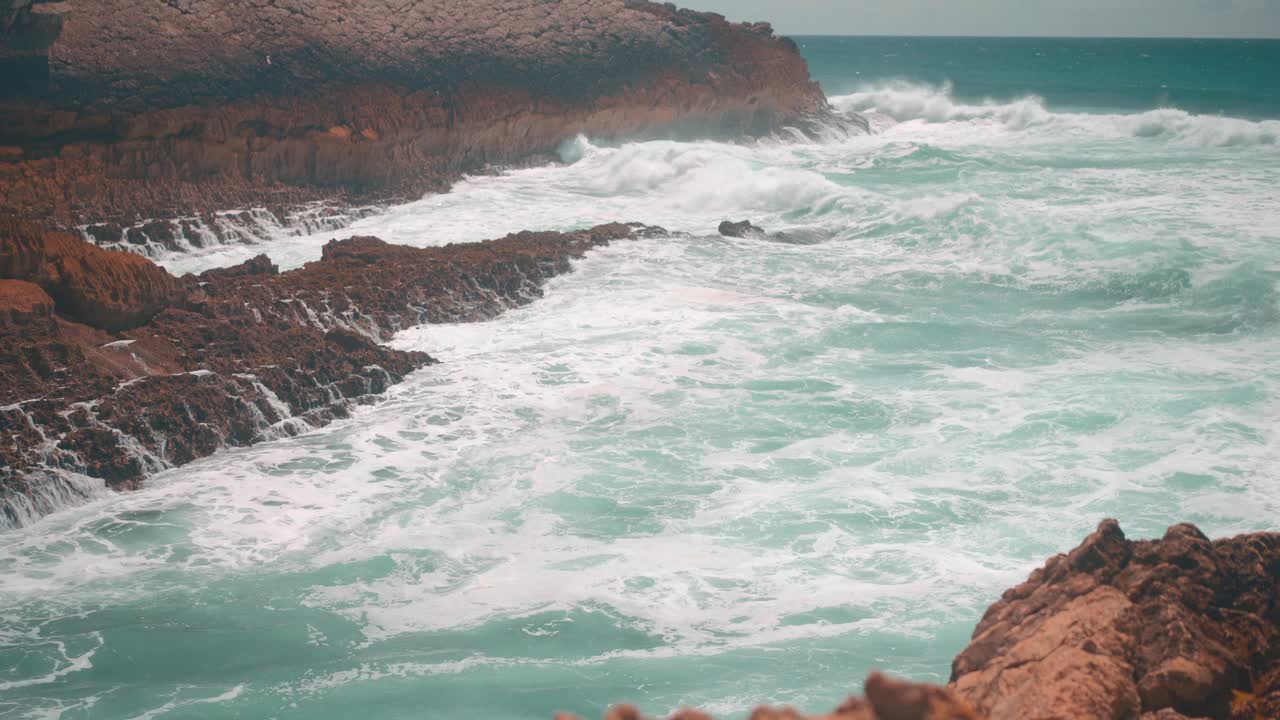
[(706, 470)]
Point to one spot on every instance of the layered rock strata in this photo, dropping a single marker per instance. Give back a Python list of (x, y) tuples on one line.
[(113, 112), (115, 369)]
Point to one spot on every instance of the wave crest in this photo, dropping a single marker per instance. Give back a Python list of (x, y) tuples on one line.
[(900, 102)]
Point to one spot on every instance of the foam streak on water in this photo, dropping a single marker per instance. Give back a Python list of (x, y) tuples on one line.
[(705, 470)]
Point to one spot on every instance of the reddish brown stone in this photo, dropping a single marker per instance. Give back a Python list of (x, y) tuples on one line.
[(108, 290), (25, 303), (1118, 628), (215, 366), (155, 110)]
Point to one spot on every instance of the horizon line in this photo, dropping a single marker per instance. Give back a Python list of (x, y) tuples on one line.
[(1036, 37)]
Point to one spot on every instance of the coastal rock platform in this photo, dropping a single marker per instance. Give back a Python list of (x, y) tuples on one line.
[(115, 369)]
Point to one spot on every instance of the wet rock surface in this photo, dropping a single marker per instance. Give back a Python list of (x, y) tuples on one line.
[(106, 290), (149, 110), (740, 229), (746, 230), (232, 357)]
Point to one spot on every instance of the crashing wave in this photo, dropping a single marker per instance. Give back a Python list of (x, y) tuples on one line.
[(899, 102)]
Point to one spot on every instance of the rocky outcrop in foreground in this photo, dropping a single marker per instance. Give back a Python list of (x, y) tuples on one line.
[(115, 369), (1119, 628), (116, 112), (1179, 628)]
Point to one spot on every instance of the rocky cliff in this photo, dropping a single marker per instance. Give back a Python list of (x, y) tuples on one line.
[(117, 111), (115, 369), (1173, 629), (1177, 627)]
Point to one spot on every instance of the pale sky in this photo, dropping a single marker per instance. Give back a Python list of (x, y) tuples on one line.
[(1125, 18)]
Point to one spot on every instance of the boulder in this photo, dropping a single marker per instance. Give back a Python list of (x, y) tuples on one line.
[(108, 290)]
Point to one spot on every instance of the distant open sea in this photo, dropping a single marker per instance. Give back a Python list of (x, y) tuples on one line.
[(708, 471), (1235, 78)]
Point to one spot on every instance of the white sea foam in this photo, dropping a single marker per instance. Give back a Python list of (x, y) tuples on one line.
[(1017, 322), (907, 102)]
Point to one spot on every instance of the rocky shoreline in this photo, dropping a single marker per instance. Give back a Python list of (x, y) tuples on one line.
[(116, 369), (1179, 628), (123, 114), (135, 126), (138, 125)]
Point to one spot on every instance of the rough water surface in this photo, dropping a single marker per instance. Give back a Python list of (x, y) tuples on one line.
[(714, 471)]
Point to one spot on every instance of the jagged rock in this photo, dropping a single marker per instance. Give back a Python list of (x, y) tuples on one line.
[(257, 265), (1118, 628), (1181, 628), (239, 356), (1263, 701)]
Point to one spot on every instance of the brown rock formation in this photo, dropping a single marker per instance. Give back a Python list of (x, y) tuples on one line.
[(1171, 629), (237, 355), (23, 303), (107, 290), (121, 110), (1118, 628)]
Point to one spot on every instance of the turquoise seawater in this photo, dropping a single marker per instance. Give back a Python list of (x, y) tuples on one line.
[(710, 471)]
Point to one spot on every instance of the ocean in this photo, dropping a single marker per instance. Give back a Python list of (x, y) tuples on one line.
[(711, 471)]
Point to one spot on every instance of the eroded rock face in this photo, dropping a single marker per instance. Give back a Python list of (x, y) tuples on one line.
[(1118, 629), (107, 290), (111, 291), (155, 108), (25, 304), (239, 354)]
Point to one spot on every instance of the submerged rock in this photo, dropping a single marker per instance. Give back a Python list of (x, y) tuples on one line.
[(740, 229), (746, 230)]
